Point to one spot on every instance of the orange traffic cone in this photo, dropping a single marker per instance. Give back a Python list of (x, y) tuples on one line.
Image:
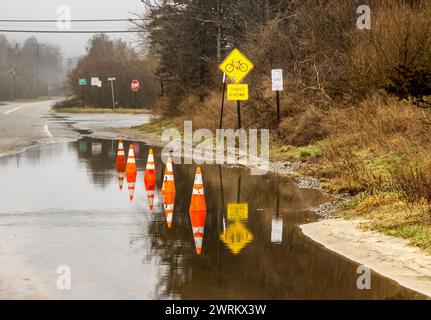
[(121, 157), (198, 210), (150, 179), (168, 186), (131, 172), (168, 192), (150, 170)]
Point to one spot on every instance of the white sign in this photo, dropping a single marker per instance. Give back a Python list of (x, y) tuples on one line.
[(277, 79), (100, 84), (277, 231), (95, 82)]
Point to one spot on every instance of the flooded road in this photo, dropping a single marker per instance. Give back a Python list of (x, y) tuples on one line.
[(61, 204)]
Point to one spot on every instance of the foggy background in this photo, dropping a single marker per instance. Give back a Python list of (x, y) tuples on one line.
[(72, 45)]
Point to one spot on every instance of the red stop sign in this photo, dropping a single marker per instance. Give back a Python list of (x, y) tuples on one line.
[(135, 85)]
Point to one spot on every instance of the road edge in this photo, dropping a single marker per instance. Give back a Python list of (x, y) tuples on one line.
[(388, 256)]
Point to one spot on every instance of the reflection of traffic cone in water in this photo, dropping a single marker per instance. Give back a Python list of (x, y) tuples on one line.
[(198, 210), (121, 163), (151, 190), (131, 172), (120, 179), (168, 191)]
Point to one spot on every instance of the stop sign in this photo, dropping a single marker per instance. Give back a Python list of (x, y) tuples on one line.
[(135, 85)]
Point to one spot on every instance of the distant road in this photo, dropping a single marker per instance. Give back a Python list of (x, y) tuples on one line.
[(26, 124)]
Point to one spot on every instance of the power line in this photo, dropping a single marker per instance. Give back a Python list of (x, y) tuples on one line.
[(72, 20), (71, 31)]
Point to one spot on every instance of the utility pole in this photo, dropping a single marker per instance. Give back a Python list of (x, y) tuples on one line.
[(13, 83), (14, 73)]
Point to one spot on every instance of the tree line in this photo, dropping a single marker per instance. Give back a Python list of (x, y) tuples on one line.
[(106, 58), (327, 59), (30, 69)]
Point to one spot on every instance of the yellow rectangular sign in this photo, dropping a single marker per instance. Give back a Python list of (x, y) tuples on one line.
[(237, 211), (236, 66), (237, 92)]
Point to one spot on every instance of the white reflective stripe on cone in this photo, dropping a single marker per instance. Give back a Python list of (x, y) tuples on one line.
[(198, 191), (198, 179), (198, 242), (169, 177)]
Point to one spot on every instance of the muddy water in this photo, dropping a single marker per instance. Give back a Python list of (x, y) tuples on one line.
[(61, 205)]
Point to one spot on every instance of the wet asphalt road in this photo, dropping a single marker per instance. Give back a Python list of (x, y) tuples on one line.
[(27, 124)]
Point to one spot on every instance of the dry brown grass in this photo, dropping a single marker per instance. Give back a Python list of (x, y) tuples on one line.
[(381, 145), (204, 114)]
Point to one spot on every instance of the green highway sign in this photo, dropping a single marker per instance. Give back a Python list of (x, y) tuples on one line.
[(82, 82)]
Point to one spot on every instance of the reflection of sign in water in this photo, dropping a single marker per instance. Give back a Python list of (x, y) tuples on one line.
[(237, 211), (96, 148), (82, 146), (236, 237), (277, 231)]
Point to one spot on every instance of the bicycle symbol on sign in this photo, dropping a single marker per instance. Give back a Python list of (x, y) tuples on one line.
[(243, 67)]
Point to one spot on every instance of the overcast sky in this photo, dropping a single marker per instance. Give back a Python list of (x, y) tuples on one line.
[(71, 44)]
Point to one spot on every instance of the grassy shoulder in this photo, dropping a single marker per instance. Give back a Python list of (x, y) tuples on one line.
[(378, 199), (157, 126)]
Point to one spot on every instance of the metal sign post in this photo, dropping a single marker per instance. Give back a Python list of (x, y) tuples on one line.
[(99, 85), (277, 86), (112, 79), (82, 96), (238, 92), (82, 83), (222, 101), (135, 86)]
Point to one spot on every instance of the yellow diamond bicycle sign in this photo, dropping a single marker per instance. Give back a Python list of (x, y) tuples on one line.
[(236, 66)]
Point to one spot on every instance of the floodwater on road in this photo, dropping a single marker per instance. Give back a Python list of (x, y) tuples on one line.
[(61, 205)]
